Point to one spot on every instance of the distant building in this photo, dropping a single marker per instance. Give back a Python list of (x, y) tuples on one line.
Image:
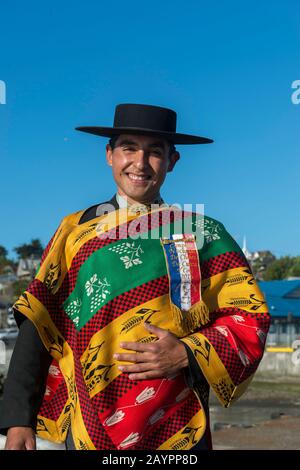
[(2, 289), (3, 315), (27, 267), (245, 250), (283, 298), (6, 280), (258, 260)]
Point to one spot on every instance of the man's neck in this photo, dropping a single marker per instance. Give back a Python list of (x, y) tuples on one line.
[(124, 201)]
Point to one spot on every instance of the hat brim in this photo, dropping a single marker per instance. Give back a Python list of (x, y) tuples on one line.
[(175, 138)]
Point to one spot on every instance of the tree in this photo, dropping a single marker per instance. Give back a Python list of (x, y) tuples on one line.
[(295, 269), (279, 269), (19, 287), (34, 249), (3, 252), (4, 261)]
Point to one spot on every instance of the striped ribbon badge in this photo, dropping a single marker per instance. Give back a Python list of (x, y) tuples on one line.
[(184, 271)]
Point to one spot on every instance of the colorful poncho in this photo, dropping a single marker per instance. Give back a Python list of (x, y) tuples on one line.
[(98, 283)]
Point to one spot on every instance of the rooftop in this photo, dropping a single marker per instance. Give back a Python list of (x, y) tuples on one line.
[(283, 297)]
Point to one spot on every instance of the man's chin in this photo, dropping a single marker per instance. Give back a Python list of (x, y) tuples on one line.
[(137, 193)]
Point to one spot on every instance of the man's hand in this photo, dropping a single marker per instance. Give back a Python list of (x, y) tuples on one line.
[(20, 438), (163, 358)]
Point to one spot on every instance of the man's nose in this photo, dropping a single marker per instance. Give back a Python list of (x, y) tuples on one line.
[(141, 159)]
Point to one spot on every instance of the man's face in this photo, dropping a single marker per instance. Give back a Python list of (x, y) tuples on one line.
[(140, 164)]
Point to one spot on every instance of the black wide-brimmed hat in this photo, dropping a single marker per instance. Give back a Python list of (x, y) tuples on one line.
[(143, 119)]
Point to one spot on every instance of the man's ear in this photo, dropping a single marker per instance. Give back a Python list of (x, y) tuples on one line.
[(109, 152), (173, 159)]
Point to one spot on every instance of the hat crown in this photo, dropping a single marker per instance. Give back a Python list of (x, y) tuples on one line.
[(145, 119), (145, 116)]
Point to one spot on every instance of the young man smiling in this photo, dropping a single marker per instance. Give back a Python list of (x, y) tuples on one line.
[(139, 165), (121, 337)]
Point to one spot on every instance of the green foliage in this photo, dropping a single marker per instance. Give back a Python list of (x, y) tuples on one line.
[(19, 287), (4, 263), (3, 252), (34, 248), (295, 269), (283, 268)]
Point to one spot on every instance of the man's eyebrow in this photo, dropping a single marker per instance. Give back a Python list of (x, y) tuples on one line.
[(159, 143), (127, 142)]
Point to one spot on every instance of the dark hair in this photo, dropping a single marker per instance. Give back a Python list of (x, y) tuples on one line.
[(112, 142)]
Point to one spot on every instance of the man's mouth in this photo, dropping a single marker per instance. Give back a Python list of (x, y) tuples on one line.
[(135, 177)]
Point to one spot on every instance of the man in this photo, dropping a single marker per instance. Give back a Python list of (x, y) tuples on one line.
[(130, 318)]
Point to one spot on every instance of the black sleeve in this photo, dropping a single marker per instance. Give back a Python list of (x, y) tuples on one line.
[(193, 374), (25, 384)]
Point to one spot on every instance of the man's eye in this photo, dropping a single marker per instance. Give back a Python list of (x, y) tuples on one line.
[(156, 152), (129, 149)]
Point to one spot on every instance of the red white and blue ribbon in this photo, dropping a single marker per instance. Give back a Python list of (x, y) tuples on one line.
[(184, 273)]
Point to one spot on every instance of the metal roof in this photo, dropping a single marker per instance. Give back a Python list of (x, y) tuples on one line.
[(283, 297)]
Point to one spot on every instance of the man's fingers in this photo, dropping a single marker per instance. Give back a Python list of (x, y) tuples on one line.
[(30, 444), (139, 367), (153, 374), (130, 357), (20, 438), (140, 347), (12, 444), (146, 347), (159, 332)]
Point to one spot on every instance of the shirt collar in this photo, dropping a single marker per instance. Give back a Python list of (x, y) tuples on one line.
[(122, 201)]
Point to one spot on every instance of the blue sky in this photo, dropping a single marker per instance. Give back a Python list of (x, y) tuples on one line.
[(225, 67)]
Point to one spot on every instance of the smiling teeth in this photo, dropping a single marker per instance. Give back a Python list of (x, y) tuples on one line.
[(136, 177)]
